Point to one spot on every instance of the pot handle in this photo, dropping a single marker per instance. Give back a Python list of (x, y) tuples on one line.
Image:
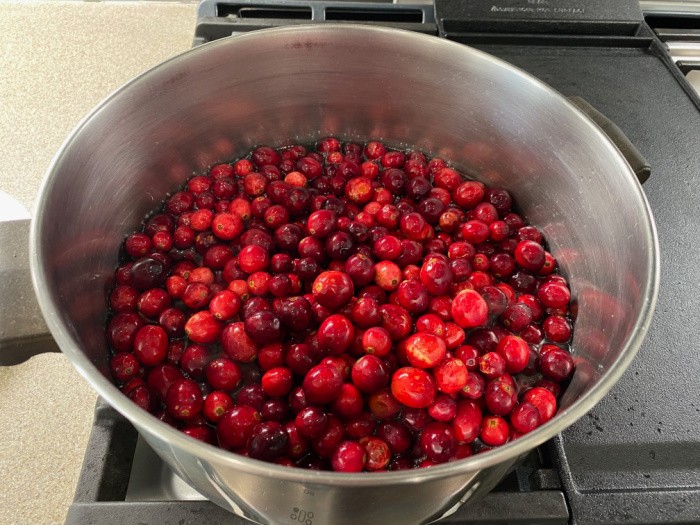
[(639, 164)]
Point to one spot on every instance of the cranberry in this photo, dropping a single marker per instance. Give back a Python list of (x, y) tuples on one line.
[(267, 441), (525, 418), (333, 289), (451, 375), (556, 364), (377, 341), (184, 399), (369, 374), (147, 273), (322, 384), (494, 431), (529, 255), (443, 409), (223, 374), (413, 387), (215, 405), (387, 275), (263, 327), (424, 350), (544, 401), (413, 296), (335, 334), (492, 365), (516, 317), (469, 309), (438, 443), (515, 351), (467, 422), (124, 366), (203, 327), (150, 345), (557, 329), (500, 397), (194, 360), (236, 426), (237, 344), (553, 295)]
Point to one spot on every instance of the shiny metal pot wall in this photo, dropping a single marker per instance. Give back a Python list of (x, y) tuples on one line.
[(297, 85)]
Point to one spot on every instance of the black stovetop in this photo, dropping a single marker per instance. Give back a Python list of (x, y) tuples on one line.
[(635, 458)]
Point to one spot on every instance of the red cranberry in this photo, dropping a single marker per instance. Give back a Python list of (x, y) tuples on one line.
[(469, 309), (236, 426), (544, 401), (333, 289), (529, 255), (215, 406), (203, 328), (516, 317), (467, 422), (413, 387), (237, 344), (377, 341), (150, 345), (223, 374), (263, 327), (443, 409), (267, 441), (251, 395), (515, 351), (451, 375), (335, 334), (525, 418), (322, 384), (184, 399), (369, 374), (557, 329), (494, 431)]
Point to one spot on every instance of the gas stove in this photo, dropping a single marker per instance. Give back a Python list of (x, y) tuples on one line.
[(635, 458)]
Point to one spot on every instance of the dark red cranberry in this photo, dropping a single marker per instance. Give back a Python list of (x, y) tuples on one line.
[(438, 442), (267, 441), (263, 327), (124, 366), (147, 273), (557, 364), (500, 397)]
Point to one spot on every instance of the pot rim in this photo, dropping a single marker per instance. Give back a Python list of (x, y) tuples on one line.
[(152, 425)]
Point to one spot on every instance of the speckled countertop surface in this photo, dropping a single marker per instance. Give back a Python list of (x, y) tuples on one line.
[(57, 60)]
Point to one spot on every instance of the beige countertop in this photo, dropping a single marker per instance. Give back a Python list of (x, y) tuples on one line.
[(58, 59)]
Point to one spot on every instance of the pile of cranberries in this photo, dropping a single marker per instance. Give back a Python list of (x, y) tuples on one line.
[(354, 308)]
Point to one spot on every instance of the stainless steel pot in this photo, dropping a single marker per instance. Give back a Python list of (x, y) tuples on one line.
[(299, 84)]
